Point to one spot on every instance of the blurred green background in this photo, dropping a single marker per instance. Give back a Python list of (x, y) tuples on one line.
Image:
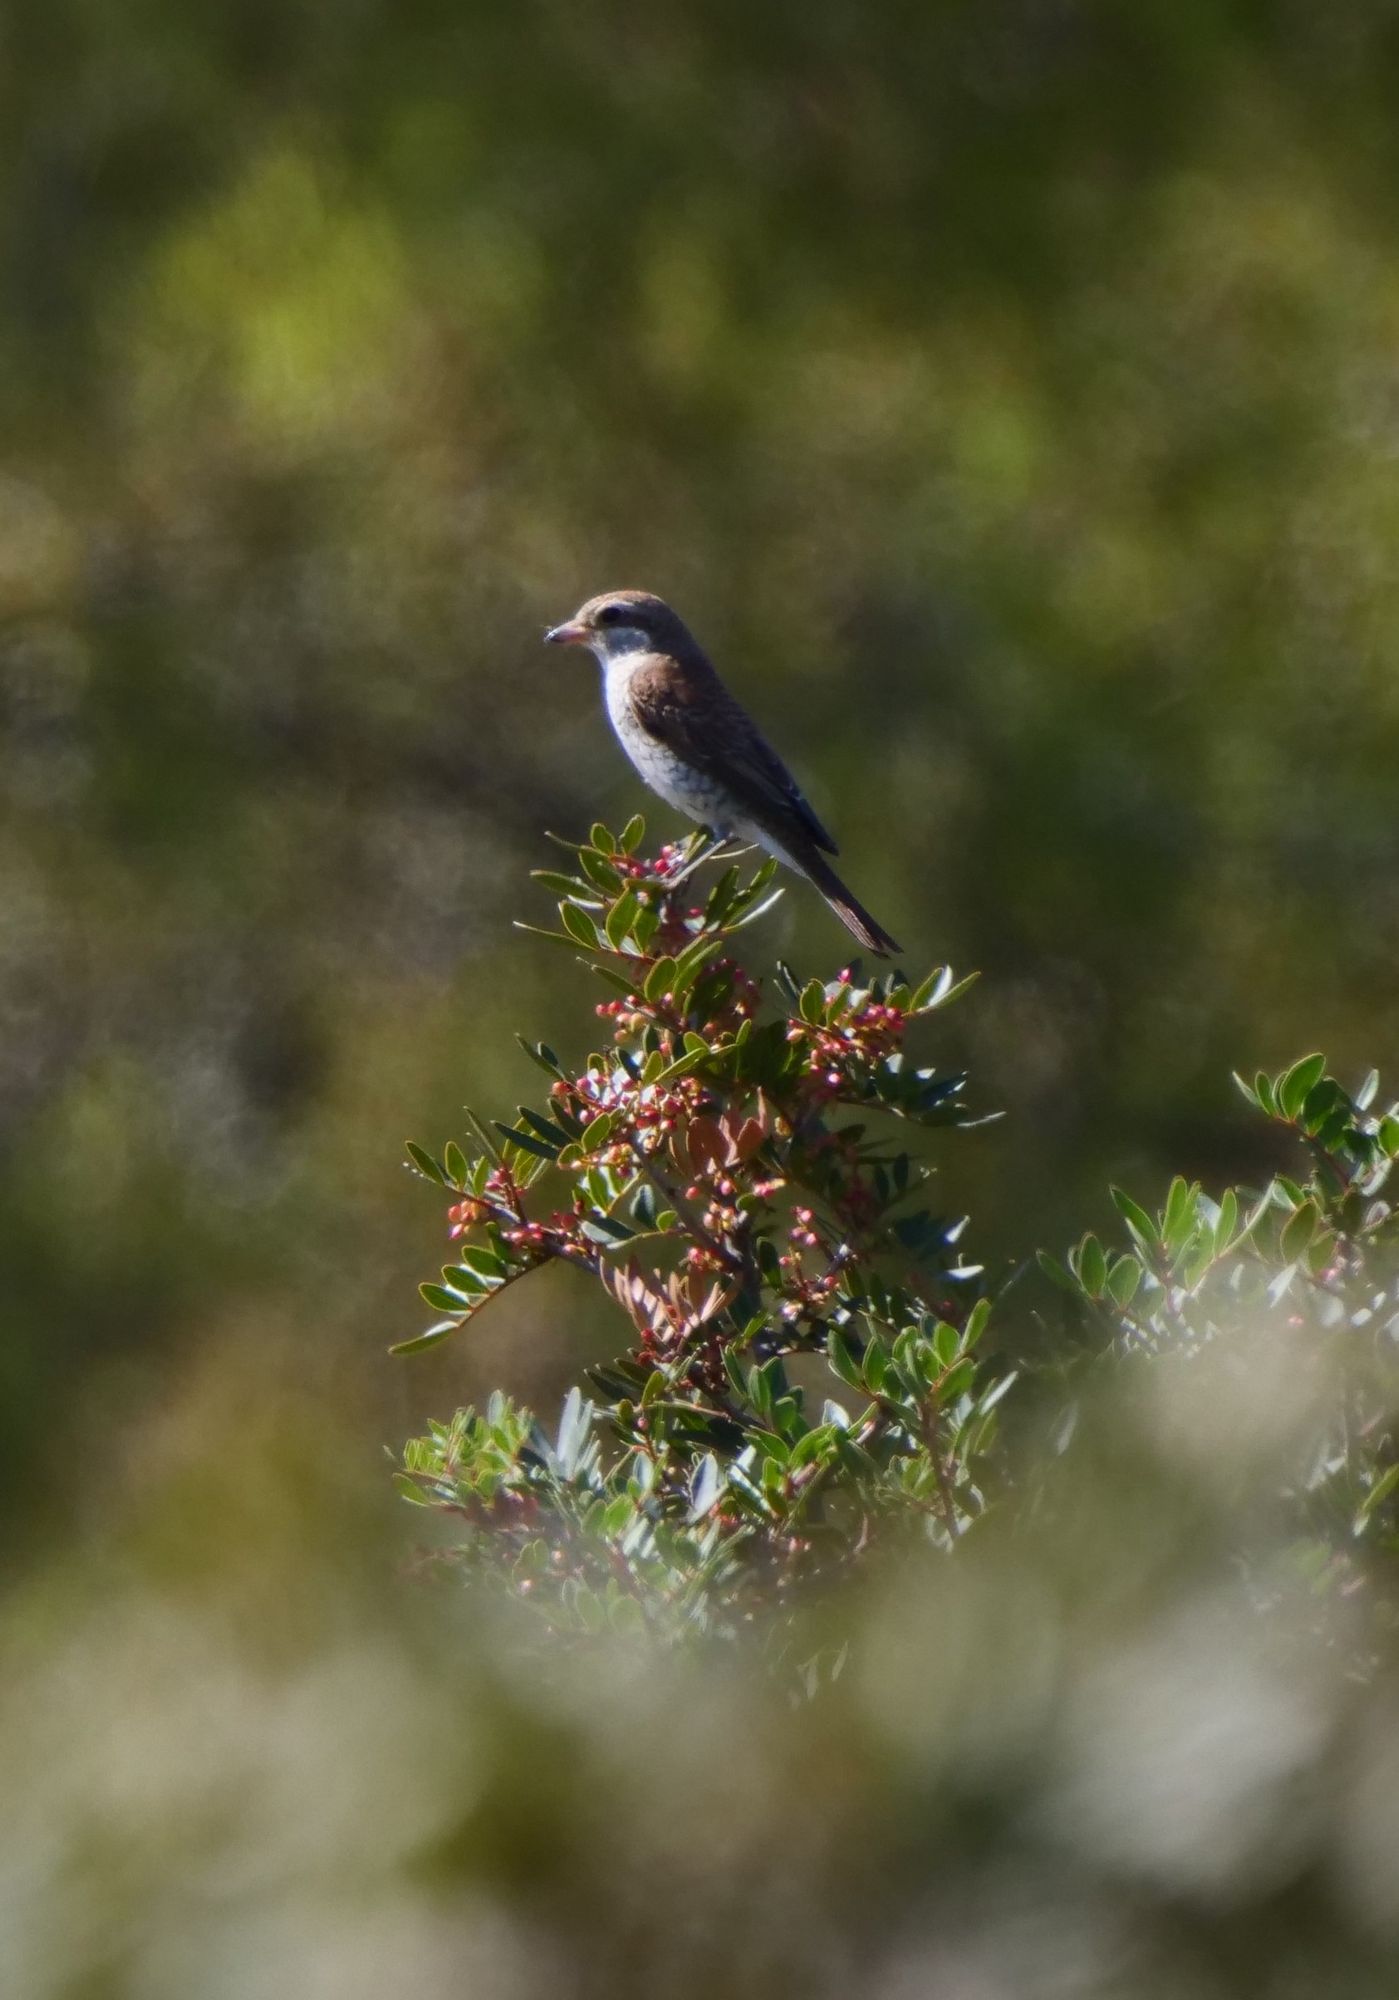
[(1006, 393)]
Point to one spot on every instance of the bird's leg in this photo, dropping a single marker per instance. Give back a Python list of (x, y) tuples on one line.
[(705, 846), (694, 849)]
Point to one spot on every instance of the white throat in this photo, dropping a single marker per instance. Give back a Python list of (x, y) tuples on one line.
[(611, 644)]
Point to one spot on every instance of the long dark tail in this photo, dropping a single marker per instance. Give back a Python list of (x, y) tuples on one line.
[(853, 915)]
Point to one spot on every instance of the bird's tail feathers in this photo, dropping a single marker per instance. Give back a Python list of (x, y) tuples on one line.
[(853, 915)]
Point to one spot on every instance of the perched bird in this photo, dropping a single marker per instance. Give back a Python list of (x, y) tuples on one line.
[(693, 744)]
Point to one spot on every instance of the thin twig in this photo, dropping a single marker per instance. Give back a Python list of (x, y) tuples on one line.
[(928, 1424), (677, 1201)]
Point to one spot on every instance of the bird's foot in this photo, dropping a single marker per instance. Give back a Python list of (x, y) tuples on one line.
[(698, 848)]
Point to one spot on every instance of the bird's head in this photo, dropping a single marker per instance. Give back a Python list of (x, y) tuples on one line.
[(623, 621)]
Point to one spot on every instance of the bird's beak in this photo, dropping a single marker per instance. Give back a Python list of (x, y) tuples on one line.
[(571, 633)]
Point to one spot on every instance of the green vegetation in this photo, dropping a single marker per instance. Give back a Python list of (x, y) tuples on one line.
[(1004, 393), (734, 1178), (1003, 398), (735, 1181)]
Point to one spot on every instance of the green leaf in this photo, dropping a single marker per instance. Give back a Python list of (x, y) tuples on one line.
[(463, 1281), (812, 1004), (1336, 1131), (706, 1487), (545, 1127), (766, 873), (543, 1055), (854, 1457), (1291, 1090), (618, 981), (559, 885), (633, 833), (976, 1323), (1123, 1281), (482, 1262), (538, 930), (751, 912), (1321, 1103), (875, 1371), (600, 873), (527, 1141), (621, 917), (927, 995), (599, 1133), (1055, 1272), (1180, 1215), (843, 1360), (1320, 1252), (816, 1444), (693, 957), (443, 1300), (997, 1391), (1376, 1497), (956, 1383), (601, 839), (788, 981), (1299, 1229), (660, 979), (953, 992), (684, 1065), (1092, 1266), (425, 1163), (1136, 1218), (720, 897), (946, 1343), (487, 1142), (607, 1228), (579, 925), (737, 1373), (429, 1338)]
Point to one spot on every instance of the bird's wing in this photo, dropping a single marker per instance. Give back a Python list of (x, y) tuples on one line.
[(700, 721)]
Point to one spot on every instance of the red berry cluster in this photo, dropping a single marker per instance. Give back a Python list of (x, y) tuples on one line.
[(464, 1215), (651, 1112), (501, 1194), (626, 1012), (502, 1201), (537, 1240), (720, 1217), (858, 1039), (636, 868), (802, 1231), (805, 1291)]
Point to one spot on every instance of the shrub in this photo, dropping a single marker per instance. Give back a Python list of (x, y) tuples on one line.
[(803, 1383), (800, 1375), (1264, 1324)]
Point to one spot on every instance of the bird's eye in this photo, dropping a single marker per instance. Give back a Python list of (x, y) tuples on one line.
[(611, 614)]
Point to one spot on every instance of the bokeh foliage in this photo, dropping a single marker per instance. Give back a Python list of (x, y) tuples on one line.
[(1005, 393), (1002, 392)]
